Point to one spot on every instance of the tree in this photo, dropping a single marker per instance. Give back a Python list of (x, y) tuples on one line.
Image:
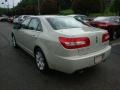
[(3, 11), (115, 7), (65, 4), (31, 6), (49, 7), (87, 6), (28, 9)]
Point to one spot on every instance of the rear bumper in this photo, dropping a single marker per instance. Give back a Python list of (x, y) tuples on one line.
[(72, 64)]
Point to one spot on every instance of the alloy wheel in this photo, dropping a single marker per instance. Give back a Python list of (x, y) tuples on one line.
[(40, 60)]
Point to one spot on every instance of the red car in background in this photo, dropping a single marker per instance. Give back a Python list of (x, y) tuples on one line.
[(10, 19), (111, 23)]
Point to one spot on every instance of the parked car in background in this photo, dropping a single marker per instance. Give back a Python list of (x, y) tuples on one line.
[(4, 19), (21, 18), (110, 23), (15, 20), (83, 18), (61, 43)]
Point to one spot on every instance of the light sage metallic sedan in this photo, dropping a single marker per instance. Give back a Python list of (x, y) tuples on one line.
[(61, 43)]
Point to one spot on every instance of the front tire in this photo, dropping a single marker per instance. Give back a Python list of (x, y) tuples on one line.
[(41, 61)]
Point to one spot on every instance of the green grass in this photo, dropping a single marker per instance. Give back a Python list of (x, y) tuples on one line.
[(102, 14), (106, 13), (66, 12)]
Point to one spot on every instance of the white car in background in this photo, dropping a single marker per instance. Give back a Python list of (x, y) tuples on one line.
[(4, 18), (61, 43), (21, 18), (80, 17)]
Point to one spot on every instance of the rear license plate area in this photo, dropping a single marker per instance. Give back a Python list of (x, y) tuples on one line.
[(98, 59)]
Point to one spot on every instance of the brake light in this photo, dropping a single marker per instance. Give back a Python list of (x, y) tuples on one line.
[(102, 24), (105, 37), (73, 43)]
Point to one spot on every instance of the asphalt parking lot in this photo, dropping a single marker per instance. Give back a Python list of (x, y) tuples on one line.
[(18, 70)]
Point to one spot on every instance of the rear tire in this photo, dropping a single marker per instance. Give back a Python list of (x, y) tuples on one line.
[(41, 61)]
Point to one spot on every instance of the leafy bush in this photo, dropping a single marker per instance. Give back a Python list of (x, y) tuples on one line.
[(65, 4), (88, 6), (49, 7), (116, 7), (66, 12)]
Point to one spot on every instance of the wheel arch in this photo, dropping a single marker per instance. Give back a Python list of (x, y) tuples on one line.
[(38, 47)]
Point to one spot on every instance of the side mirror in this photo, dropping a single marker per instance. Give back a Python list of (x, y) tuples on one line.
[(17, 26)]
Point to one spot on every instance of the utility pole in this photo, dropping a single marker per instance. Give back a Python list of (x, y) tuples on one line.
[(3, 3), (38, 7), (6, 1), (13, 8), (33, 6), (20, 8)]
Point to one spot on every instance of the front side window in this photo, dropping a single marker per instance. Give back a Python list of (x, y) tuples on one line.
[(33, 24), (64, 23), (25, 23)]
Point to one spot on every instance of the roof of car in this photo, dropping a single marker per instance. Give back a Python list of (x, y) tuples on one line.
[(48, 16), (73, 15), (107, 16)]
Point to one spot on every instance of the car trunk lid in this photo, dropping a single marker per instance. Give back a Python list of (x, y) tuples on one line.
[(95, 35)]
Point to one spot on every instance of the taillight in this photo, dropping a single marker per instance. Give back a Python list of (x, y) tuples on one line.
[(105, 37), (102, 24), (73, 43)]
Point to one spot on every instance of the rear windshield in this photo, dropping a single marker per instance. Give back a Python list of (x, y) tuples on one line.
[(58, 23)]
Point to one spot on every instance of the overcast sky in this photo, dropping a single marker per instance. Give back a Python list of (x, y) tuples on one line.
[(10, 3)]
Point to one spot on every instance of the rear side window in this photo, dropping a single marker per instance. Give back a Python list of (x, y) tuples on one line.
[(33, 24)]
